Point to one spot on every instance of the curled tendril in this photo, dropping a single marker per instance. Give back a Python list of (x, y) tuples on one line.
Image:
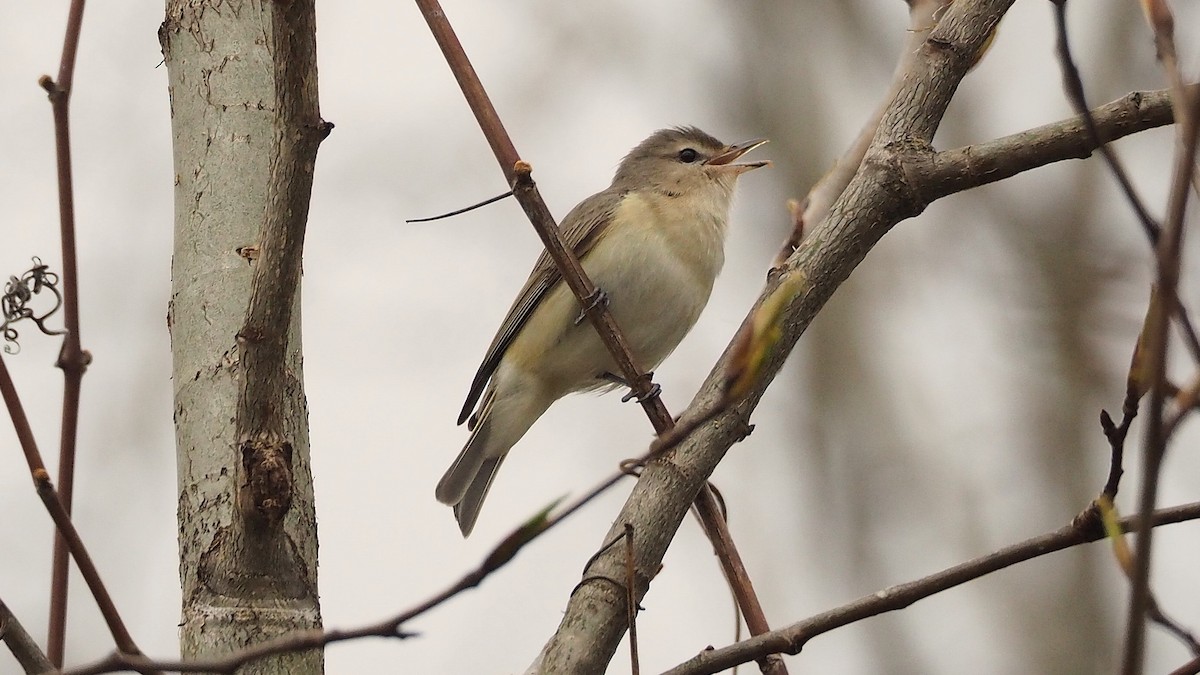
[(18, 293)]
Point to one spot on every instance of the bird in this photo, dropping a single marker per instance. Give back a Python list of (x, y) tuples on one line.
[(653, 242)]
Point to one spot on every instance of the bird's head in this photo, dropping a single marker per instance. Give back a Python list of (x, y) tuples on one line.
[(684, 159)]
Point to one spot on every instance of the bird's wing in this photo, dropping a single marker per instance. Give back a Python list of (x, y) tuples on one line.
[(584, 226)]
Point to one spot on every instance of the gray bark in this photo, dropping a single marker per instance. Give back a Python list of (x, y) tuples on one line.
[(248, 571)]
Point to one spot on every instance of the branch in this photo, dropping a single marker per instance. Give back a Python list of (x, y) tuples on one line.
[(21, 644), (594, 623), (266, 446), (791, 640), (922, 18), (1169, 252), (940, 174), (71, 359), (500, 555), (62, 520), (519, 175)]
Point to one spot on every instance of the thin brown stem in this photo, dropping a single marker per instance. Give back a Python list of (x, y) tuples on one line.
[(72, 359), (22, 645), (1074, 89), (807, 214), (1115, 434), (791, 639), (500, 555), (635, 667), (1169, 252), (1190, 668), (62, 520), (1168, 243)]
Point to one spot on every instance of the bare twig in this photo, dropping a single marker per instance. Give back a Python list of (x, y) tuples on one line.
[(1074, 88), (1115, 433), (500, 555), (21, 644), (1135, 388), (1124, 557), (1169, 251), (62, 520), (465, 209), (71, 359), (519, 175), (807, 214), (1190, 668), (1168, 242), (791, 639), (1154, 613), (631, 602)]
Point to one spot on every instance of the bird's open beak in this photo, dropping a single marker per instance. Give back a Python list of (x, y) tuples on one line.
[(731, 152)]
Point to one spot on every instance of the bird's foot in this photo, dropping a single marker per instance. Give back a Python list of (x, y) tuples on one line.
[(654, 391), (597, 298)]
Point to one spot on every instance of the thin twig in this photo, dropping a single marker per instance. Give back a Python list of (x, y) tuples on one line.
[(71, 359), (791, 639), (62, 520), (1169, 252), (519, 175), (1154, 613), (1115, 434), (500, 555), (807, 214), (1167, 240), (1190, 668), (465, 209), (1074, 89), (21, 643), (631, 602)]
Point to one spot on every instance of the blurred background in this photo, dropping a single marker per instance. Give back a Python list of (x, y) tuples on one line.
[(943, 404)]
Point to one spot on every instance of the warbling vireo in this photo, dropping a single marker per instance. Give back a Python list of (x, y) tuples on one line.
[(654, 241)]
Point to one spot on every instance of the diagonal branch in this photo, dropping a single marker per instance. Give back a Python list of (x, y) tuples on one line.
[(62, 520), (922, 18), (791, 640), (519, 177), (21, 643)]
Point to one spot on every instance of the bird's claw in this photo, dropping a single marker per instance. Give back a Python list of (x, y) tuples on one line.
[(597, 298), (655, 390)]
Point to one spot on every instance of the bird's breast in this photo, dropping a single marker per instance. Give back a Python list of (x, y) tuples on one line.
[(656, 261)]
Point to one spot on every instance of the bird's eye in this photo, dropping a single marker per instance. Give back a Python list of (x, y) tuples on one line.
[(687, 155)]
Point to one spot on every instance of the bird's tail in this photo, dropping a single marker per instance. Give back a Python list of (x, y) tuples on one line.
[(468, 479), (458, 478)]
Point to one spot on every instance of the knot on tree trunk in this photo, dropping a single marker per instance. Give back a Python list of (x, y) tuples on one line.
[(266, 493)]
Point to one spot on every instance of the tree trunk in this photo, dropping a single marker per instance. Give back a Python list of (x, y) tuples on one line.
[(247, 534)]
